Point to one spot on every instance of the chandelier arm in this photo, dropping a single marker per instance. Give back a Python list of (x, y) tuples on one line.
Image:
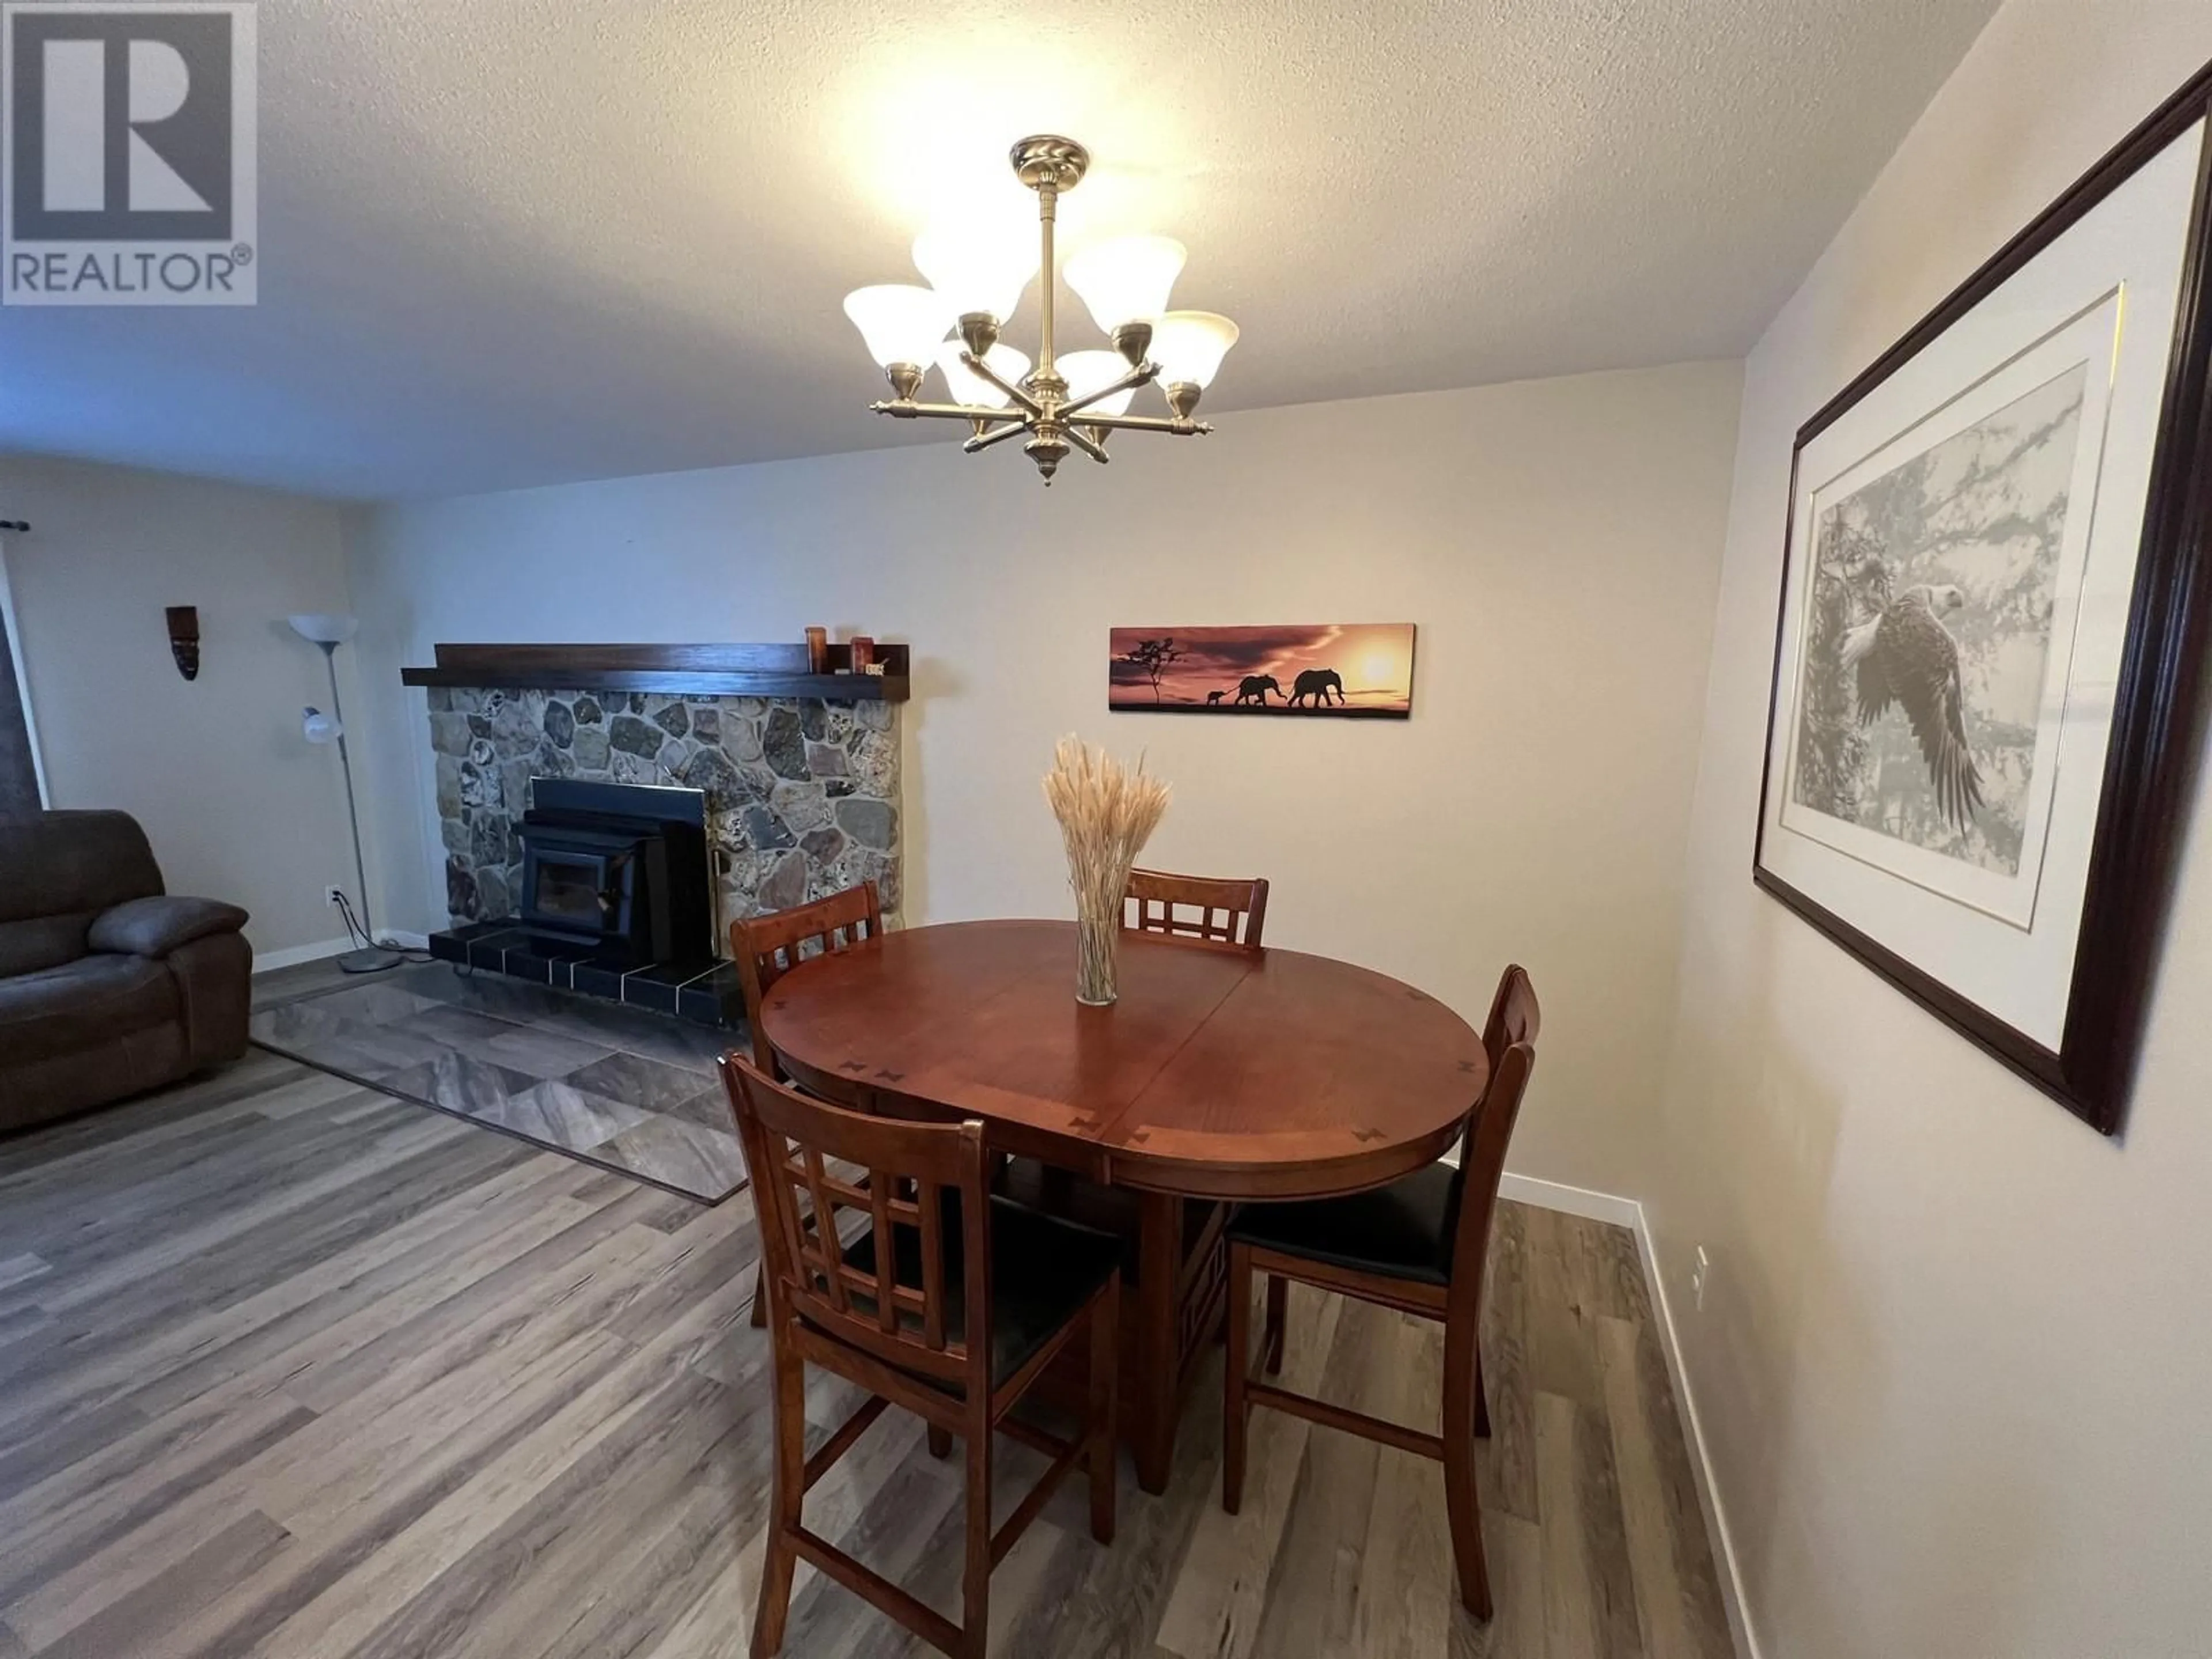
[(1143, 375), (996, 435), (907, 411), (1181, 428), (1089, 447), (978, 366)]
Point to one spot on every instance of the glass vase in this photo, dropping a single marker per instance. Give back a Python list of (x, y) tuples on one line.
[(1097, 947)]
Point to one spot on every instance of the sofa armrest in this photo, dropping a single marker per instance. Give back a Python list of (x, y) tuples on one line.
[(155, 927), (215, 978)]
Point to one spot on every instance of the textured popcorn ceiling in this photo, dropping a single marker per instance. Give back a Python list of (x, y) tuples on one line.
[(506, 242)]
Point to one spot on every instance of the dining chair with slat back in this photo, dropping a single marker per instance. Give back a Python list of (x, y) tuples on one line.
[(767, 947), (949, 1304), (1418, 1246), (1157, 903)]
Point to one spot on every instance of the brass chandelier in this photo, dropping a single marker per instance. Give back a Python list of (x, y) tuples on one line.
[(1070, 401)]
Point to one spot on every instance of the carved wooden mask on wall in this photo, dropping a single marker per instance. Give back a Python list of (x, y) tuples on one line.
[(185, 639)]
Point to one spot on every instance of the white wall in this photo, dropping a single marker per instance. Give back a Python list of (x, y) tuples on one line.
[(237, 805), (1556, 541), (1954, 1364)]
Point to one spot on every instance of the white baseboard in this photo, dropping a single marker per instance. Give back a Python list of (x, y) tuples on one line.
[(1571, 1201), (1629, 1213), (266, 960)]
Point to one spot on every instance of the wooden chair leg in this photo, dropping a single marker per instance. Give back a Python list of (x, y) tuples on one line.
[(1233, 1408), (789, 1492), (759, 1314), (1158, 1327), (1481, 1398), (976, 1584), (940, 1442), (1462, 1390), (1105, 1373), (1278, 1302)]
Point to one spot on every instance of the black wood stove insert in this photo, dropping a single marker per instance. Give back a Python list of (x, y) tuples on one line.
[(616, 901)]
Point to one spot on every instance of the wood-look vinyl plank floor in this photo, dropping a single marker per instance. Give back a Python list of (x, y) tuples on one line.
[(292, 1370)]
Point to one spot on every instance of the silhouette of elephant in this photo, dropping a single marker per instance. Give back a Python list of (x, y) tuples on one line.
[(1213, 698), (1256, 687), (1318, 684)]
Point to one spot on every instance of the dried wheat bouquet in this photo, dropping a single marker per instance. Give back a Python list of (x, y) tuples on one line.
[(1107, 813)]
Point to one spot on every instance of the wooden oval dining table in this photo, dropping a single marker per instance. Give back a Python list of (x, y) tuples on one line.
[(1221, 1073)]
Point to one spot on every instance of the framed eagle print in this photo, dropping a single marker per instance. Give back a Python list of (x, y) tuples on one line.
[(1996, 596)]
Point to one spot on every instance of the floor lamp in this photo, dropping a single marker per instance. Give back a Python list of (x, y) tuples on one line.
[(328, 632)]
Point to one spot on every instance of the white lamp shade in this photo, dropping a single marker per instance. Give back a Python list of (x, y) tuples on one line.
[(902, 324), (1189, 345), (984, 267), (1127, 280), (325, 627), (1086, 371), (970, 388), (319, 727)]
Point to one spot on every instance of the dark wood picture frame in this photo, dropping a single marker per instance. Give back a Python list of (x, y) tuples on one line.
[(2157, 717)]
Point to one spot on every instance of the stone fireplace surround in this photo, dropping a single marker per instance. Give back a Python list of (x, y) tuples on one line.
[(802, 794)]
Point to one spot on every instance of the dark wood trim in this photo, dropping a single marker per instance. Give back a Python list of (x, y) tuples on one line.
[(831, 688), (727, 671), (2157, 712)]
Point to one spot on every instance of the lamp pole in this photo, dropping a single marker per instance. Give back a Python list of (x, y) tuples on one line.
[(353, 812), (372, 957)]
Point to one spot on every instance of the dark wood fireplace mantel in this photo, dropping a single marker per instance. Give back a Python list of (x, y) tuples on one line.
[(722, 670)]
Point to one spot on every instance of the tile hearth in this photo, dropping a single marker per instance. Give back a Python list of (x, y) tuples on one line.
[(613, 1085)]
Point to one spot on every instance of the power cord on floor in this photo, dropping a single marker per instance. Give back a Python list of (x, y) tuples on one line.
[(358, 933)]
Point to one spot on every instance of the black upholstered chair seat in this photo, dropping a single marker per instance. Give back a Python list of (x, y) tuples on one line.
[(1043, 1271), (1403, 1229)]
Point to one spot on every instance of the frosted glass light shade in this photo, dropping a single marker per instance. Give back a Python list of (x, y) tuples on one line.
[(968, 387), (325, 627), (318, 727), (1086, 371), (902, 324), (1189, 345), (1127, 279), (983, 268)]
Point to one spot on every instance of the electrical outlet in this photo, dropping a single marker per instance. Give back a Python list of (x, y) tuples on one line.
[(1699, 1276), (334, 895)]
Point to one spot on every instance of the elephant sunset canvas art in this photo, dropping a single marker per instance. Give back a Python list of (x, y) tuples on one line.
[(1356, 669)]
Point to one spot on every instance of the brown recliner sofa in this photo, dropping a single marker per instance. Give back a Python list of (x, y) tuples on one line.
[(108, 987)]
